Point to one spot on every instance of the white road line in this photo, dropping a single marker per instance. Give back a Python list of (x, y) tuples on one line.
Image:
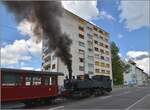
[(105, 97), (56, 108), (123, 93), (137, 101)]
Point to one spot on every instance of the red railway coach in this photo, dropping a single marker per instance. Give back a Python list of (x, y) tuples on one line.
[(28, 86)]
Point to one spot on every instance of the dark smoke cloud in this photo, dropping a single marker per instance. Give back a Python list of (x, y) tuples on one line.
[(45, 15)]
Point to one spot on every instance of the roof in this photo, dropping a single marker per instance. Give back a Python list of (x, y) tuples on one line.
[(132, 62), (31, 72), (85, 20), (139, 68)]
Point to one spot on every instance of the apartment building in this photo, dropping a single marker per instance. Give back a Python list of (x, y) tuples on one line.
[(135, 76), (130, 77), (90, 49)]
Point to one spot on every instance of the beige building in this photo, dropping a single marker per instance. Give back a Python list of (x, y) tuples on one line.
[(90, 49)]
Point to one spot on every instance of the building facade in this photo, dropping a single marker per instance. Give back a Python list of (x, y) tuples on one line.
[(90, 49), (135, 76), (130, 76)]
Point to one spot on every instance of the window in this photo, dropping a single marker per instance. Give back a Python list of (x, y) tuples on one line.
[(97, 63), (94, 27), (97, 70), (89, 28), (81, 68), (53, 57), (90, 67), (96, 42), (89, 36), (101, 44), (53, 66), (107, 65), (36, 80), (96, 55), (107, 52), (95, 34), (81, 51), (90, 44), (106, 40), (102, 64), (81, 60), (11, 79), (107, 58), (102, 57), (101, 37), (48, 81), (81, 28), (81, 44), (81, 21), (101, 50), (108, 72), (28, 81), (91, 58), (106, 46), (100, 31), (81, 36), (90, 50), (103, 71), (96, 49)]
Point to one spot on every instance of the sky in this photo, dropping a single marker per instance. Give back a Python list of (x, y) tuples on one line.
[(126, 21)]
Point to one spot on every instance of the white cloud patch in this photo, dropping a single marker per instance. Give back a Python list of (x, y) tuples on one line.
[(135, 14), (120, 55), (135, 54), (87, 10), (27, 68), (84, 9), (105, 15), (120, 36), (142, 59), (26, 28), (19, 51)]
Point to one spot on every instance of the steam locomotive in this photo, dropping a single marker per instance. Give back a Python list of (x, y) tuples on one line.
[(84, 86)]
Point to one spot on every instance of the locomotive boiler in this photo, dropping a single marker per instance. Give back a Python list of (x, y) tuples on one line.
[(84, 86)]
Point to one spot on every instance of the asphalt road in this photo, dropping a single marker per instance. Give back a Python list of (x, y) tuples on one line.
[(125, 98), (131, 98)]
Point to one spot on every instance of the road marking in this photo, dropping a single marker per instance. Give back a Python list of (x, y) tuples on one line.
[(123, 93), (105, 97), (56, 108), (137, 101)]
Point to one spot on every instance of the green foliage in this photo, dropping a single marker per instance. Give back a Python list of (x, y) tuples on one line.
[(118, 66)]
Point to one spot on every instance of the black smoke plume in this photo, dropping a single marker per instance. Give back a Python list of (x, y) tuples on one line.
[(45, 15)]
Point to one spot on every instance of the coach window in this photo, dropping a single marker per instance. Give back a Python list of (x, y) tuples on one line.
[(11, 79), (48, 81), (54, 80), (28, 81), (36, 80)]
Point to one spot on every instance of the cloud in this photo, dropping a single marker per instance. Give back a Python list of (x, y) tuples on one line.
[(26, 28), (120, 36), (27, 68), (87, 10), (20, 51), (120, 55), (135, 14), (105, 15), (84, 9), (142, 59), (137, 54)]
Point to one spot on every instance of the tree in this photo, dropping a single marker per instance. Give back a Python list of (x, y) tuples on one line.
[(118, 66)]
